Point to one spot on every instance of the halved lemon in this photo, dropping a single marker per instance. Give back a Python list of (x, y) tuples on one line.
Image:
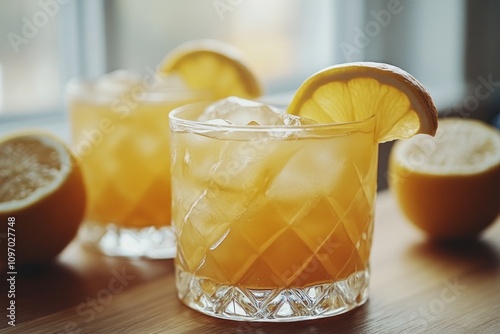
[(355, 91), (214, 66), (449, 185), (42, 196)]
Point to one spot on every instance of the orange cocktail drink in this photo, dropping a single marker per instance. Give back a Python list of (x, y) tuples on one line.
[(273, 212), (121, 138)]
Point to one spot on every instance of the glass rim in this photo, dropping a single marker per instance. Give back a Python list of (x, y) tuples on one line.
[(202, 125), (82, 87)]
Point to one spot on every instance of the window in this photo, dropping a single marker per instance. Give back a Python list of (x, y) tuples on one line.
[(283, 40), (51, 41), (445, 44), (426, 38), (30, 72)]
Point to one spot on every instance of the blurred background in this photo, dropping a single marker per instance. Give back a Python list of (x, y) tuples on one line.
[(451, 46)]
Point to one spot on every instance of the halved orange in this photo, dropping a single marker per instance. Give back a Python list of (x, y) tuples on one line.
[(449, 186), (42, 196), (213, 66), (356, 91)]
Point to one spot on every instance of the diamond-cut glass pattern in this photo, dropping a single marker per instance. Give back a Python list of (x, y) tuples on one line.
[(288, 240), (286, 304)]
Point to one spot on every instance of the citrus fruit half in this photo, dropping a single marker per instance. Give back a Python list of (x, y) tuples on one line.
[(42, 196), (449, 185)]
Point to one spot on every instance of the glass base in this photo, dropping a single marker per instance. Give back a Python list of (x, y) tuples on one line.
[(113, 240), (268, 305)]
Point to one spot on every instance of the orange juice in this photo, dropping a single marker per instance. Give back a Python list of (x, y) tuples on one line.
[(271, 208), (121, 138)]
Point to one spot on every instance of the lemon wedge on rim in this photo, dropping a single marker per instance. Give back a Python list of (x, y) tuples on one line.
[(355, 91)]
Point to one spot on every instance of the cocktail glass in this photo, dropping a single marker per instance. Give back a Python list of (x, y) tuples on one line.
[(121, 139), (273, 214)]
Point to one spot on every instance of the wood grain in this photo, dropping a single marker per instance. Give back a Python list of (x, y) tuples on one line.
[(415, 287)]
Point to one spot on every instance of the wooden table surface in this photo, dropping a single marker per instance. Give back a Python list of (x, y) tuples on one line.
[(415, 287)]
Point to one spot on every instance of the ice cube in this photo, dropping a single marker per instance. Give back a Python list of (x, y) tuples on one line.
[(212, 210), (240, 166), (283, 122), (292, 120), (240, 111), (118, 81), (310, 173), (219, 121), (199, 154), (163, 83)]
